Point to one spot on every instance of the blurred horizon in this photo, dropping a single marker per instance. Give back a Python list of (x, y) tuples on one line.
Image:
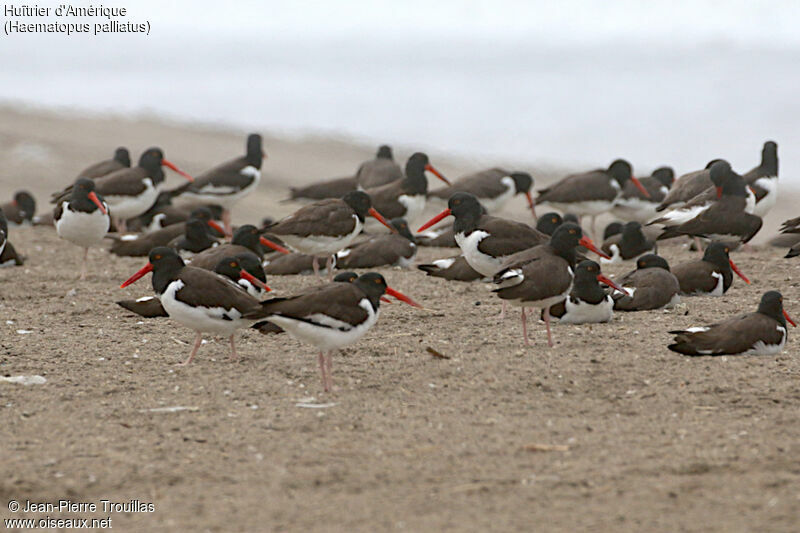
[(574, 84)]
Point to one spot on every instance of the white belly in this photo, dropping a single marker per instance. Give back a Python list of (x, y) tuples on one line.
[(588, 208), (83, 229), (322, 244), (634, 209), (719, 289), (493, 205), (769, 200), (761, 348), (202, 319), (485, 265), (328, 334), (125, 207), (586, 313), (225, 196)]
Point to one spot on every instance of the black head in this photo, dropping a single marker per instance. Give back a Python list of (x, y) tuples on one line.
[(612, 229), (571, 217), (665, 176), (80, 199), (373, 285), (620, 170), (720, 172), (122, 156), (769, 158), (586, 272), (203, 213), (401, 226), (416, 181), (166, 265), (652, 261), (197, 231), (522, 182), (249, 237), (548, 223), (565, 239), (25, 203), (360, 202), (150, 160), (717, 254), (632, 229), (252, 265), (772, 306), (255, 151), (384, 152), (229, 267), (346, 277), (464, 204), (711, 163)]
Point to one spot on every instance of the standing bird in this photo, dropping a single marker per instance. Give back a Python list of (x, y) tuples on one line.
[(542, 276), (763, 179), (83, 219), (711, 275), (198, 299), (650, 286), (332, 317), (327, 226), (493, 187), (405, 198), (121, 159), (687, 187), (725, 219), (130, 192), (21, 209), (381, 250), (139, 245), (587, 302), (632, 205), (591, 193), (228, 182), (761, 333), (628, 245)]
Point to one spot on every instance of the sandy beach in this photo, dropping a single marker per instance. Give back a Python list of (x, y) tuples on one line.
[(608, 431)]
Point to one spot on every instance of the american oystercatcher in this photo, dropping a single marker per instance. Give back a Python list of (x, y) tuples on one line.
[(763, 179), (628, 245), (129, 192), (761, 333), (613, 228), (331, 317), (197, 298), (139, 245), (542, 276), (726, 219), (591, 193), (405, 198), (381, 250), (247, 238), (493, 187), (3, 231), (244, 270), (83, 219), (711, 275), (451, 268), (327, 226), (279, 264), (21, 209), (587, 303), (632, 205), (687, 187), (229, 182), (195, 239), (548, 223), (8, 255), (121, 159), (650, 286), (379, 171)]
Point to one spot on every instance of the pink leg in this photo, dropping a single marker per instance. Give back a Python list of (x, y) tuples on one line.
[(329, 266), (234, 356), (121, 225), (698, 244), (83, 265), (321, 360), (547, 324), (197, 340), (315, 265), (525, 326), (503, 311), (226, 223), (329, 369)]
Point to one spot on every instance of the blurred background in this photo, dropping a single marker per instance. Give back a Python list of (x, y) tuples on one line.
[(561, 84)]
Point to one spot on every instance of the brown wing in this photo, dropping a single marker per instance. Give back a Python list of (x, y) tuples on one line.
[(508, 236), (545, 275), (206, 289), (592, 185), (101, 169), (614, 239), (377, 172), (482, 184), (445, 239), (687, 187), (142, 245), (458, 270), (150, 308), (651, 184), (127, 182), (336, 300), (725, 217), (385, 200), (288, 264), (327, 217), (378, 251), (209, 258), (12, 213), (223, 179), (334, 188), (696, 276), (10, 254), (733, 336), (654, 288)]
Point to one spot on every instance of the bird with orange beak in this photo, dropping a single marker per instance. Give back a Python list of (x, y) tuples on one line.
[(83, 219)]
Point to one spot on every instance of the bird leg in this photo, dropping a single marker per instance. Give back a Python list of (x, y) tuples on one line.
[(315, 265), (121, 225), (547, 324), (197, 340), (226, 223), (329, 266), (234, 356), (83, 265), (525, 326), (594, 231), (698, 244), (503, 311), (321, 360), (329, 370)]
